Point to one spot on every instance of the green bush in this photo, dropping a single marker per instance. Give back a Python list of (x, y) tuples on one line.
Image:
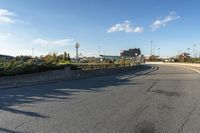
[(27, 64)]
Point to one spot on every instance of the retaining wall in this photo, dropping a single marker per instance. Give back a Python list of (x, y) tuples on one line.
[(65, 74)]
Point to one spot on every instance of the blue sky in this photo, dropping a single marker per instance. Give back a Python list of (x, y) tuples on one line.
[(114, 25)]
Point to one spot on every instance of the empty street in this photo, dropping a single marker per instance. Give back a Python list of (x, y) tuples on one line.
[(158, 99)]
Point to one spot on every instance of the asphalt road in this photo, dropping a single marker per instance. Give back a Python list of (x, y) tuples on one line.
[(164, 99)]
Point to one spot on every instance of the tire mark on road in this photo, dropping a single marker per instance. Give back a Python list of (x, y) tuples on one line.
[(150, 88), (23, 123)]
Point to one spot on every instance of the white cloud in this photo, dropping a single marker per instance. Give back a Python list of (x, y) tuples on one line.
[(138, 29), (57, 43), (6, 17), (4, 36), (163, 22), (125, 27)]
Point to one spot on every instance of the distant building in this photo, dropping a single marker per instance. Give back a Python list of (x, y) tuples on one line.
[(111, 57), (131, 53)]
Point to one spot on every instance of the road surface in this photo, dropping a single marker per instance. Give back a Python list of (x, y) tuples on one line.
[(163, 99)]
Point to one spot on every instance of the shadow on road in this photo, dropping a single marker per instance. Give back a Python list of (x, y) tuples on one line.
[(12, 99), (8, 131)]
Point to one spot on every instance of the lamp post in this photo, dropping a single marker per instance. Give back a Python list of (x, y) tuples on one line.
[(99, 48), (151, 47), (77, 46), (33, 52), (194, 52), (188, 50), (159, 52), (136, 54)]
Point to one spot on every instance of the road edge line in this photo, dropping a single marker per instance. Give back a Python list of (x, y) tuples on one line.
[(192, 69)]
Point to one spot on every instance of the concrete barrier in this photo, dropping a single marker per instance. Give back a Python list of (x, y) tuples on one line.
[(174, 63), (13, 81), (64, 74), (153, 62), (184, 64)]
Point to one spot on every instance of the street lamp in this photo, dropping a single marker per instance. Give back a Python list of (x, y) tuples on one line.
[(188, 50), (159, 52), (136, 54), (77, 46), (194, 52), (151, 47), (33, 52)]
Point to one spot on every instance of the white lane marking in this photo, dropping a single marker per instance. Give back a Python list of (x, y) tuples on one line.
[(184, 67), (192, 69)]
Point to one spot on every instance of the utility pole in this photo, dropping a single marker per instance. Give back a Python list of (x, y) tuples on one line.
[(99, 50), (194, 52), (159, 52), (188, 50), (33, 52)]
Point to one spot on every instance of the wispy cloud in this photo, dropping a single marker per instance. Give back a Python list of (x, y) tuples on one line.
[(6, 17), (163, 22), (4, 36), (125, 27), (54, 43)]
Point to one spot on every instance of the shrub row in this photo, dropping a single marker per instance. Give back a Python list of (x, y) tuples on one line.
[(25, 69)]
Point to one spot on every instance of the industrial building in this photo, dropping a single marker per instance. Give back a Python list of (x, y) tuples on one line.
[(131, 53)]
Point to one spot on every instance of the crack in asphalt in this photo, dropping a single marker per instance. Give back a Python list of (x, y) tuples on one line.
[(187, 118)]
